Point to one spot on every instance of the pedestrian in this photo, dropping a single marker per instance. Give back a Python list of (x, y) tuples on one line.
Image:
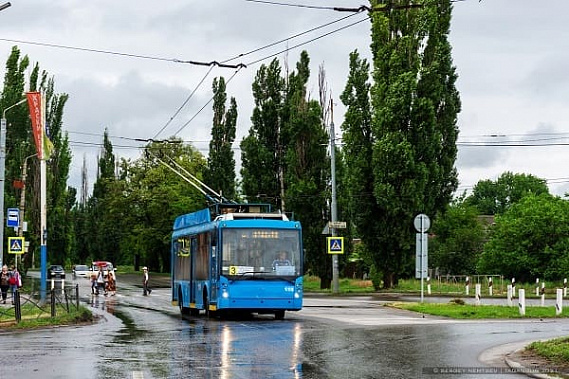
[(15, 282), (93, 283), (145, 289), (111, 284), (100, 281), (4, 283)]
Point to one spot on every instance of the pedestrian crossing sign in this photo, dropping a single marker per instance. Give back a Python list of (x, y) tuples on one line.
[(335, 245), (16, 245)]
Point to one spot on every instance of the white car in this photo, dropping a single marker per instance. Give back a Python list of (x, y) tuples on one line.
[(81, 271)]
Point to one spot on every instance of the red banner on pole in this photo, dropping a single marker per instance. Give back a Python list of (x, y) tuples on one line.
[(34, 103)]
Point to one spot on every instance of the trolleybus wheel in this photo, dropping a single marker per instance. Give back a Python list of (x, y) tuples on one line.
[(279, 315)]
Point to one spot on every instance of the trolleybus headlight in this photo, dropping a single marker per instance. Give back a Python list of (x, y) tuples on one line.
[(296, 295), (225, 294)]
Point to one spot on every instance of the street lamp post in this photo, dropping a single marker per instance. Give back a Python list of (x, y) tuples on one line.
[(3, 175)]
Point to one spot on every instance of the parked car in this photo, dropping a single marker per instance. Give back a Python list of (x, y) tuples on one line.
[(81, 271), (55, 272)]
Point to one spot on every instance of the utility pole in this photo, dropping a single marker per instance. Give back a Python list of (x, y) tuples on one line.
[(23, 203), (334, 211)]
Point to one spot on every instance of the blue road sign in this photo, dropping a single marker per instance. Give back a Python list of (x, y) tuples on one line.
[(13, 219), (335, 245), (16, 245)]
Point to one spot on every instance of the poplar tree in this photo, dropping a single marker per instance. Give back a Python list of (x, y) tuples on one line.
[(220, 173), (415, 107), (262, 150), (20, 147), (307, 168)]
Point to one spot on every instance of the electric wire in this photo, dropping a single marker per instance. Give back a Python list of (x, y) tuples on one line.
[(205, 105), (288, 38), (307, 42), (184, 103), (129, 55)]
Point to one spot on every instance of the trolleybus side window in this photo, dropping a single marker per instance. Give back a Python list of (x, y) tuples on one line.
[(183, 258), (202, 256)]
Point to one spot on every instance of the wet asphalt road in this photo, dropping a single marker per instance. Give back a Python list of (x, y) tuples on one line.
[(145, 337)]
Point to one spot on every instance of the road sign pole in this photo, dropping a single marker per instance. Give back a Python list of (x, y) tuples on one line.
[(422, 224)]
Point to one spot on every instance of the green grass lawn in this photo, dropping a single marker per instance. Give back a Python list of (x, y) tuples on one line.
[(33, 317), (470, 311), (556, 350)]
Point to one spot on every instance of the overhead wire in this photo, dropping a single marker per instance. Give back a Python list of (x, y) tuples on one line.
[(205, 105), (184, 103), (307, 42), (289, 38), (129, 55)]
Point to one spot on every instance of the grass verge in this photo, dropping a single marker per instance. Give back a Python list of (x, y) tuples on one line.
[(470, 311), (555, 350), (32, 318)]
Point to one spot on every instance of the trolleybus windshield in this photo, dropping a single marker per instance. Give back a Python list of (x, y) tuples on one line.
[(258, 253)]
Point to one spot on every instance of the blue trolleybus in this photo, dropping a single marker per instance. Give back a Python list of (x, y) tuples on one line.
[(236, 258)]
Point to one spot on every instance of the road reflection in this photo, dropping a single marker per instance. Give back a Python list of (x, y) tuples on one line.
[(234, 349)]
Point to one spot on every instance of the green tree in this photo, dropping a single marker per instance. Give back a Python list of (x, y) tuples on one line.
[(306, 168), (220, 174), (262, 150), (491, 198), (358, 154), (530, 240), (150, 196), (458, 239), (21, 147), (415, 107), (104, 238)]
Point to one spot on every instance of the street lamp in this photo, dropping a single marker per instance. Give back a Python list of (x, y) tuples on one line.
[(5, 5), (3, 173)]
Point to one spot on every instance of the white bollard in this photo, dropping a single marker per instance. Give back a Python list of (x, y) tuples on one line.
[(478, 290), (543, 294), (510, 295), (522, 301), (513, 287), (490, 286), (565, 287), (428, 285), (467, 286), (62, 286), (537, 287), (559, 302)]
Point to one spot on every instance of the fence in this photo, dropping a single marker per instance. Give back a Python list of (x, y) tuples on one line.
[(31, 305)]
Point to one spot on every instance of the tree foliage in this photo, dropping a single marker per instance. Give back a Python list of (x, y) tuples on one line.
[(220, 173), (495, 197), (284, 158), (20, 148), (458, 238), (530, 240), (415, 106)]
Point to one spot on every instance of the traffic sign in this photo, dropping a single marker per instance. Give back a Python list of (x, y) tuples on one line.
[(13, 219), (337, 224), (16, 245), (335, 245), (422, 223)]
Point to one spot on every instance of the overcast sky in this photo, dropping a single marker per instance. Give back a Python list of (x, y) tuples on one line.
[(511, 57)]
